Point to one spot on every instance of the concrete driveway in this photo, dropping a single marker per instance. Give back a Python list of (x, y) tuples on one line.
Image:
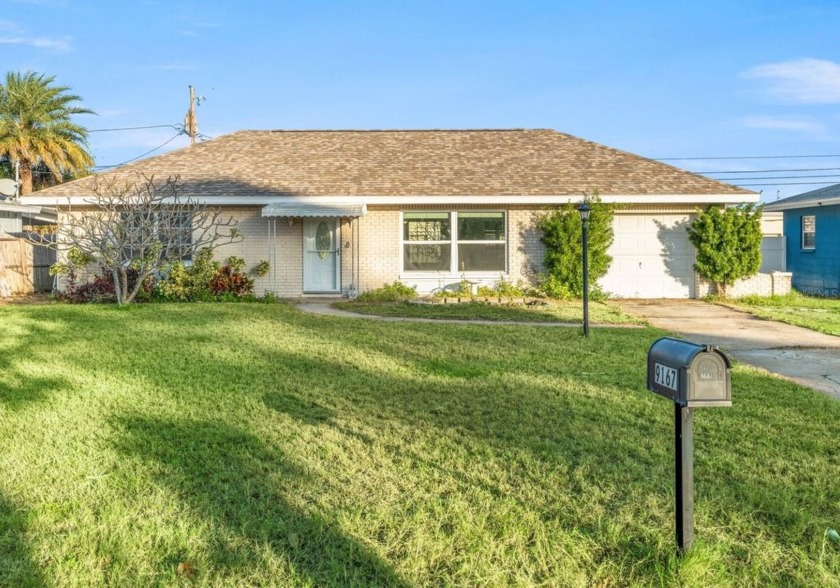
[(804, 356)]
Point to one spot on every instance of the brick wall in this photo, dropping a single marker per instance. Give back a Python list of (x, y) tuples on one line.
[(526, 253), (283, 253), (379, 248)]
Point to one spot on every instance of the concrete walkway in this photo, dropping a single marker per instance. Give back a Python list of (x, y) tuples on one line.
[(802, 355)]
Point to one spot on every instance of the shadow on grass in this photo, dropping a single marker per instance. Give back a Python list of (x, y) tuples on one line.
[(16, 565), (238, 483), (25, 338), (519, 396), (765, 460)]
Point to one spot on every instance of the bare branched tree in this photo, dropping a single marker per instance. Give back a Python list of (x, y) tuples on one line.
[(137, 229)]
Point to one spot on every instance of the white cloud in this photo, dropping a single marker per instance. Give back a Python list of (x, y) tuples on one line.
[(193, 27), (801, 81), (51, 44), (42, 2), (109, 113), (174, 66), (784, 124), (14, 34), (197, 23)]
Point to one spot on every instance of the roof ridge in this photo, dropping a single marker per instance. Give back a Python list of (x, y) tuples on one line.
[(431, 130)]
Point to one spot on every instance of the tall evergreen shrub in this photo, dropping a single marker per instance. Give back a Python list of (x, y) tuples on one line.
[(728, 242), (562, 233)]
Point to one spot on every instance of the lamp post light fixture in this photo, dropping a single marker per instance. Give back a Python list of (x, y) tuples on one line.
[(584, 209)]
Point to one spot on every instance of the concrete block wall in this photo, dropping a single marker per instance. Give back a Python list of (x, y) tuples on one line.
[(761, 284)]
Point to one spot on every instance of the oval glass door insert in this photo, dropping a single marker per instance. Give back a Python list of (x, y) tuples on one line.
[(323, 240)]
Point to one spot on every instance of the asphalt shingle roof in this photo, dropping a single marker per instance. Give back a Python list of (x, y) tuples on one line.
[(806, 198), (516, 162)]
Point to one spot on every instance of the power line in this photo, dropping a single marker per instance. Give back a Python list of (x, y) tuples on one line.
[(789, 184), (778, 178), (743, 157), (769, 171), (176, 127), (142, 155)]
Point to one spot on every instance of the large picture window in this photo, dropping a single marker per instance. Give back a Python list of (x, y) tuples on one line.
[(454, 242), (809, 232)]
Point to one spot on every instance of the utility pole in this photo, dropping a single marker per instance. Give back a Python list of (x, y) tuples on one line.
[(189, 121)]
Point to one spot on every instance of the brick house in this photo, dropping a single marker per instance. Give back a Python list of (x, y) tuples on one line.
[(339, 212)]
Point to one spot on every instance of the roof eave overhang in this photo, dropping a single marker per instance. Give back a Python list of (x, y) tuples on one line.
[(383, 200), (781, 206), (29, 211)]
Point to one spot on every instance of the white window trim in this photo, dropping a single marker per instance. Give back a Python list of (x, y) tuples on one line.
[(454, 260), (802, 232)]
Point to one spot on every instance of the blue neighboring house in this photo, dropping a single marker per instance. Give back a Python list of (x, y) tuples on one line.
[(812, 238)]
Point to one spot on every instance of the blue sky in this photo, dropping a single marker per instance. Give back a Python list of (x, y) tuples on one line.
[(660, 79)]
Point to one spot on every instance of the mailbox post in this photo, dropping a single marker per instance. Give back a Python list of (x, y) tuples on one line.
[(691, 376)]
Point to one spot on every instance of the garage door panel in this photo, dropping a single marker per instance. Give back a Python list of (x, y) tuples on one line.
[(652, 257), (628, 243)]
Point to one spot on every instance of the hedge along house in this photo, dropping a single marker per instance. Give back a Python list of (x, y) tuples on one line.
[(339, 212), (812, 239)]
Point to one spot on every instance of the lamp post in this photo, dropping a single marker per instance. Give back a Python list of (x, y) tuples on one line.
[(584, 209)]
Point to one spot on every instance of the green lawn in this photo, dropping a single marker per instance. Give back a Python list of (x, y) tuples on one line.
[(251, 444), (570, 312), (819, 314)]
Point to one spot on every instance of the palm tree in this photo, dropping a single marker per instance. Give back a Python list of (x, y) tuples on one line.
[(35, 127)]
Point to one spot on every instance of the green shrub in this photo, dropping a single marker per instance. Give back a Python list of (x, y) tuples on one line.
[(509, 289), (561, 230), (231, 281), (236, 264), (261, 269), (396, 292), (728, 242), (189, 283), (505, 289), (205, 280)]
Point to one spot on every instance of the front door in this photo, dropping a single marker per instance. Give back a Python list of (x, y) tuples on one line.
[(320, 256)]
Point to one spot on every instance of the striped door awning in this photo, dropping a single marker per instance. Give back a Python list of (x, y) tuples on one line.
[(299, 210)]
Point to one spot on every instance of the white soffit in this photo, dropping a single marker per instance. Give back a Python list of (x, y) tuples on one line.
[(816, 202), (36, 212)]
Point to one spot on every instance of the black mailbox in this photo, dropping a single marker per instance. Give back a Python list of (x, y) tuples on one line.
[(689, 374)]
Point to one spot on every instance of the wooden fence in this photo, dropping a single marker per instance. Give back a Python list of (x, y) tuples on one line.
[(24, 267)]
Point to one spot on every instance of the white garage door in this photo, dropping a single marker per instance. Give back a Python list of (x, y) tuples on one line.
[(652, 257)]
